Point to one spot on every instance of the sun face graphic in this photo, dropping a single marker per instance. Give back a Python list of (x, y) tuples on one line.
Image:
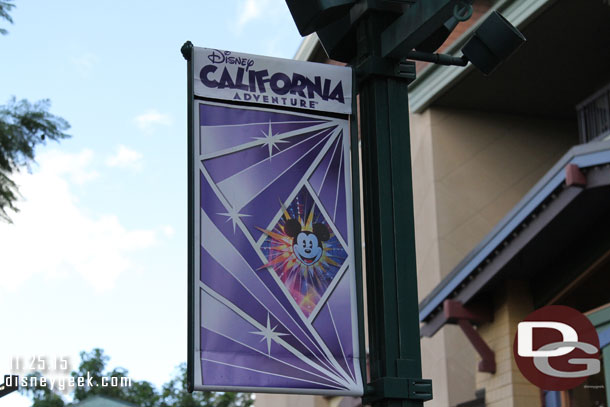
[(303, 252)]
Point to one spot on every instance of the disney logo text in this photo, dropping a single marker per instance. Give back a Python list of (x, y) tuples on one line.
[(224, 57)]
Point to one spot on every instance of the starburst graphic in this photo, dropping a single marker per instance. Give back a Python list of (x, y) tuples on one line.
[(269, 335), (270, 140), (233, 215), (306, 283)]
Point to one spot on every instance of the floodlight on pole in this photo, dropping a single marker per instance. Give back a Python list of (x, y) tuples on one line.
[(493, 42)]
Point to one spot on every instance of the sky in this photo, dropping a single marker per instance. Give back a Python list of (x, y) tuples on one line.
[(97, 255)]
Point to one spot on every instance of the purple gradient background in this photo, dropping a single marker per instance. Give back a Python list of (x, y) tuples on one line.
[(239, 298)]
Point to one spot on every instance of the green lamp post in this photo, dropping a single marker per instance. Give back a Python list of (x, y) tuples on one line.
[(379, 39)]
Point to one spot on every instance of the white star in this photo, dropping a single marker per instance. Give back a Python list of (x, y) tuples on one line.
[(233, 215), (270, 140), (269, 334)]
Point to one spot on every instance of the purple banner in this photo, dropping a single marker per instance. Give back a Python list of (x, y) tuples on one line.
[(275, 290)]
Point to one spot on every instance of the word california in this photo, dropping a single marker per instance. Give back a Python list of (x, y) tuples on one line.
[(260, 82)]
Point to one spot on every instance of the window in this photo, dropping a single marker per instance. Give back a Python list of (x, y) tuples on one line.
[(594, 116)]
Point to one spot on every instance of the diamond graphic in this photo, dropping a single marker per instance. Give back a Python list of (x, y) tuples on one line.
[(303, 251)]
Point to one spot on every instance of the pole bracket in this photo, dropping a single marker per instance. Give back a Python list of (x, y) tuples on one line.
[(398, 388), (439, 59), (377, 66), (10, 384), (456, 312)]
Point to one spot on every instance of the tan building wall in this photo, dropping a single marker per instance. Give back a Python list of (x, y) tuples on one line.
[(483, 165), (469, 170), (507, 387), (447, 358), (285, 400)]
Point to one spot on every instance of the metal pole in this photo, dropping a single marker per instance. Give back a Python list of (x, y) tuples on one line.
[(395, 357)]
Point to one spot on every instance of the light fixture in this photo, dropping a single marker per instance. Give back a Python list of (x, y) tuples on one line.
[(493, 42)]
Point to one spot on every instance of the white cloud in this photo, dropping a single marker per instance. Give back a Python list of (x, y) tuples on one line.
[(52, 236), (151, 119), (125, 158), (250, 10), (168, 231), (73, 166), (85, 63)]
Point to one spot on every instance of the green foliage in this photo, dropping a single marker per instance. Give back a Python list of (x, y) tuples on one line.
[(5, 7), (42, 396), (92, 365), (174, 393), (23, 126), (140, 393)]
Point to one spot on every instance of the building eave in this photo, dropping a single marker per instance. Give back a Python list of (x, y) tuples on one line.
[(435, 79), (544, 201)]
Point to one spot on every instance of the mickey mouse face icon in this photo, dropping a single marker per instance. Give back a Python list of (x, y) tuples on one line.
[(307, 246)]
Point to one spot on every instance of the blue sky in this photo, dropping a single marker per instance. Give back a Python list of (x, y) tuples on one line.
[(97, 255)]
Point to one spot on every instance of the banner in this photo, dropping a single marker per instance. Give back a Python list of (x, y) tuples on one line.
[(274, 284), (272, 81)]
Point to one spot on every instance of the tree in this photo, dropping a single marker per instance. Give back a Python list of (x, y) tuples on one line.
[(42, 396), (140, 393), (93, 364), (174, 393), (23, 126), (5, 6)]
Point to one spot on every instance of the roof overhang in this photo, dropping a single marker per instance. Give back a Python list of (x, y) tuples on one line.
[(435, 80), (563, 62), (569, 202)]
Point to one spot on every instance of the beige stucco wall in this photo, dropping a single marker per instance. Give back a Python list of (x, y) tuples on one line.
[(285, 400), (483, 165), (469, 170), (507, 387), (447, 358)]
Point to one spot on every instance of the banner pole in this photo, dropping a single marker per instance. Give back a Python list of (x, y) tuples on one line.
[(393, 323), (187, 53)]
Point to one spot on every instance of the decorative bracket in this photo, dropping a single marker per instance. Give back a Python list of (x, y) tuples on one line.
[(456, 312), (574, 176)]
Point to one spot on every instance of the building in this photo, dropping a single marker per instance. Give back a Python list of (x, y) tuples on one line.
[(511, 177), (102, 401)]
